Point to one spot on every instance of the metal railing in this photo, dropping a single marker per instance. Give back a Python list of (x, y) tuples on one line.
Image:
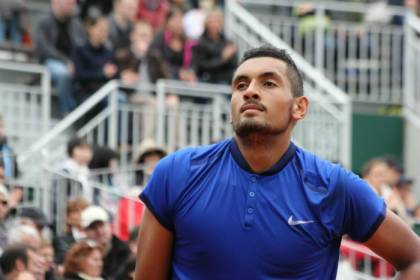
[(363, 263), (330, 108), (25, 94), (365, 59)]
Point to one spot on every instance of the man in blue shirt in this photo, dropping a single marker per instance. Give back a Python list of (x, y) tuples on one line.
[(257, 206)]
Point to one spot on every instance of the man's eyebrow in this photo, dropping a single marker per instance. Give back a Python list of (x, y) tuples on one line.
[(271, 74), (240, 78)]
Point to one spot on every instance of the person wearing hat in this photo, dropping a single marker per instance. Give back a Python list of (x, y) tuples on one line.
[(96, 223), (34, 217), (147, 155)]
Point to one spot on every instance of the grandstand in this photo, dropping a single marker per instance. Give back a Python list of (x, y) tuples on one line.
[(354, 63)]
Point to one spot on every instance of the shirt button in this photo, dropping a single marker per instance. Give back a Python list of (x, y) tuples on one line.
[(253, 179), (250, 210), (251, 194)]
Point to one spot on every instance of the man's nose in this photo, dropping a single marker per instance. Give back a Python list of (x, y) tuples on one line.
[(252, 92)]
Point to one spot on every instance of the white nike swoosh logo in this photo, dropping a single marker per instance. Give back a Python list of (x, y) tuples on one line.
[(292, 222)]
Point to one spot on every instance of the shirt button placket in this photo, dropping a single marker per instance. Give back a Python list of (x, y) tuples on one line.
[(251, 202)]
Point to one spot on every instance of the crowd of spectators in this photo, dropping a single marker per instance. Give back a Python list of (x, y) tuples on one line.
[(84, 44)]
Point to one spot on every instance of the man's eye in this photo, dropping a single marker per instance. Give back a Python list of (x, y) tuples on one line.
[(241, 86), (269, 84)]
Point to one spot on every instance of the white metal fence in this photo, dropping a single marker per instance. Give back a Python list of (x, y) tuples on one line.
[(327, 128), (365, 58), (24, 102)]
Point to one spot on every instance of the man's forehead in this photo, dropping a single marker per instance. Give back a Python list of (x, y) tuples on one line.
[(260, 65)]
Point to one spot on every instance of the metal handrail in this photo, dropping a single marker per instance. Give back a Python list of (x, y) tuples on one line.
[(339, 6), (69, 120), (45, 85)]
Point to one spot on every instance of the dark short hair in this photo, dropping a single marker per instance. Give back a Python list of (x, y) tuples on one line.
[(74, 143), (293, 73), (11, 255)]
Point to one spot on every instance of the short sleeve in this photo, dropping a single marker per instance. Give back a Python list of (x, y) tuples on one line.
[(363, 209), (157, 194)]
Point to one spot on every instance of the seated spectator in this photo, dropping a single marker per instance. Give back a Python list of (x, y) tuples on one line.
[(14, 263), (121, 23), (105, 6), (174, 48), (33, 217), (194, 20), (153, 11), (92, 60), (404, 190), (7, 155), (95, 221), (83, 262), (28, 236), (79, 154), (4, 208), (74, 230), (13, 20), (47, 252), (139, 63), (55, 36), (215, 57), (147, 156)]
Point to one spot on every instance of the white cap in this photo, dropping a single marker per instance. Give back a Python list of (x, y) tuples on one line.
[(93, 214)]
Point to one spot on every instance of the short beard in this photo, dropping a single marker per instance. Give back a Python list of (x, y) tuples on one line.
[(249, 128)]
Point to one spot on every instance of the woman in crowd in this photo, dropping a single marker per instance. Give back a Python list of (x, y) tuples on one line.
[(93, 67), (83, 262), (174, 48)]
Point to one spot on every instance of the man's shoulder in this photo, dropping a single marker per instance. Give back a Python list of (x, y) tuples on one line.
[(199, 154)]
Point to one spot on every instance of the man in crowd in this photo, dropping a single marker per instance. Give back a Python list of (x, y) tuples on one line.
[(95, 221), (57, 33)]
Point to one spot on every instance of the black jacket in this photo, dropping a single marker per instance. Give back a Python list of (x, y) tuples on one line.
[(116, 259), (46, 35), (208, 62)]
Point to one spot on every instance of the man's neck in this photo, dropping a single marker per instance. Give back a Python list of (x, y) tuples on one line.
[(261, 151)]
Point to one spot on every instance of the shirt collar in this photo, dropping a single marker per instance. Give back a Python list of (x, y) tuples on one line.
[(277, 167)]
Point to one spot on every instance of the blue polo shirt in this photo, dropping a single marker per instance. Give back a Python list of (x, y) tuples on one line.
[(231, 223)]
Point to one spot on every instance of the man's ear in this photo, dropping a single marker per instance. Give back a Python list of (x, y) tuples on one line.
[(300, 107)]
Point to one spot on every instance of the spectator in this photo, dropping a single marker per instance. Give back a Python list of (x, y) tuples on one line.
[(33, 217), (28, 236), (13, 20), (105, 6), (47, 252), (121, 23), (174, 48), (404, 190), (74, 230), (83, 262), (147, 156), (56, 35), (195, 18), (14, 263), (4, 208), (79, 155), (153, 11), (215, 57), (92, 60), (138, 63), (7, 155), (95, 221)]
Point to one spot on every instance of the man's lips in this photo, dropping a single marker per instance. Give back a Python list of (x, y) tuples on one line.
[(251, 107)]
